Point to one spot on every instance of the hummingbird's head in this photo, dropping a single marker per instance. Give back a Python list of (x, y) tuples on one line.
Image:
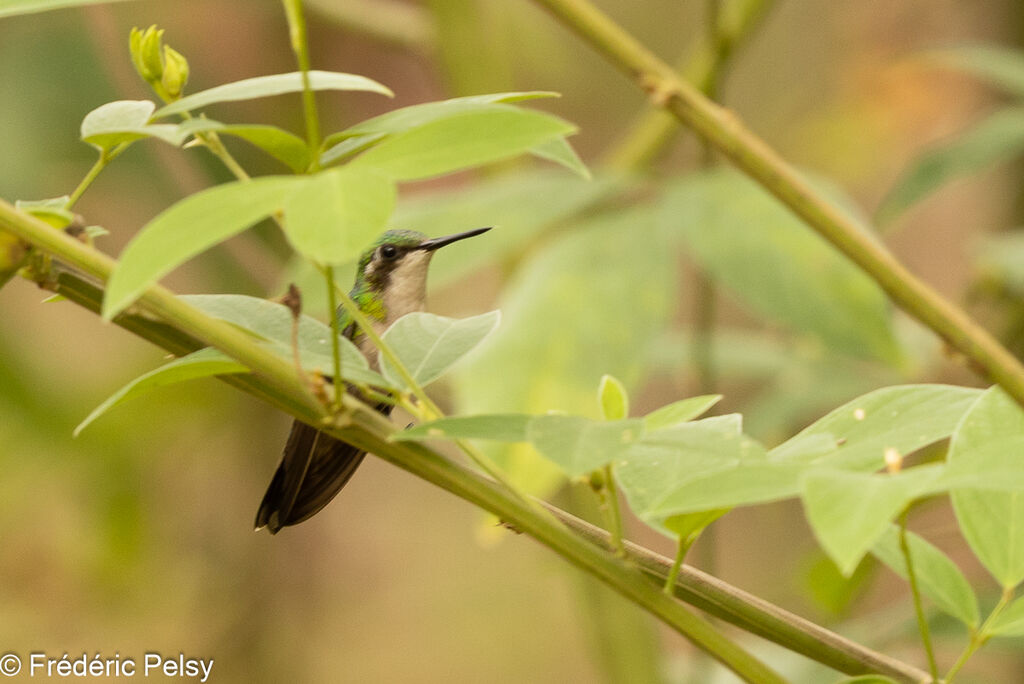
[(395, 268)]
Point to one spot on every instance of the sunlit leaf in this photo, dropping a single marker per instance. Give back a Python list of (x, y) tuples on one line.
[(680, 411), (997, 138), (491, 133), (579, 445), (333, 216), (190, 227), (509, 427), (286, 147), (9, 8), (905, 418), (123, 121), (992, 522), (428, 345), (200, 364), (937, 576), (767, 258), (612, 397), (849, 512), (1010, 622), (265, 86)]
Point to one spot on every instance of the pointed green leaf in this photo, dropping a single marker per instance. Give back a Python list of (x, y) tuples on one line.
[(849, 512), (273, 322), (50, 210), (766, 257), (559, 151), (612, 398), (578, 445), (265, 86), (489, 134), (123, 121), (1002, 67), (9, 8), (681, 411), (507, 427), (736, 483), (200, 364), (937, 576), (689, 526), (1010, 622), (190, 227), (997, 138), (333, 216), (991, 522), (286, 147), (429, 345), (904, 417)]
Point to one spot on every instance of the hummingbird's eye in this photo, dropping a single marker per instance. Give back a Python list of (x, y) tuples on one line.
[(388, 252)]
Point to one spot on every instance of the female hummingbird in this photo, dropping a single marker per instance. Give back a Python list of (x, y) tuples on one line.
[(391, 281)]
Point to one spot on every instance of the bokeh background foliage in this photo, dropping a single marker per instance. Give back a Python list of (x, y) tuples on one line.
[(135, 535)]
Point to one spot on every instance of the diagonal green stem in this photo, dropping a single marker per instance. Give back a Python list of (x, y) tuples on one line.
[(332, 308), (922, 621), (106, 156), (763, 164), (979, 637)]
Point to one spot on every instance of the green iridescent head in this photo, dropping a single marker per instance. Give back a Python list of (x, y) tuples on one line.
[(399, 250)]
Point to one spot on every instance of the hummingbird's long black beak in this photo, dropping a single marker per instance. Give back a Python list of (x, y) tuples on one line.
[(436, 243)]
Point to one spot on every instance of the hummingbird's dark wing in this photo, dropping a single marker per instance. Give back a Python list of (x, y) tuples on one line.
[(313, 470)]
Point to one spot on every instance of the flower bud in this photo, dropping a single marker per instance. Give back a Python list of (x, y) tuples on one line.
[(175, 74)]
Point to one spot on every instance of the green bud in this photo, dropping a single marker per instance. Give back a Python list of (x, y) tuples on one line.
[(175, 72), (150, 54), (613, 399)]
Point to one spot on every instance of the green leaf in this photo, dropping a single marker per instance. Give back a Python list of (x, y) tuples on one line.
[(568, 318), (286, 147), (334, 215), (937, 576), (559, 151), (849, 512), (10, 8), (612, 398), (997, 138), (190, 227), (428, 345), (766, 257), (265, 86), (123, 121), (681, 411), (578, 445), (991, 522), (1000, 66), (50, 210), (904, 417), (406, 118), (508, 427), (200, 364), (273, 322), (741, 482), (491, 133), (1010, 622), (653, 471), (689, 526)]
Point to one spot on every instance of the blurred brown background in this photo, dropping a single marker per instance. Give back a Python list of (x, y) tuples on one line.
[(137, 535)]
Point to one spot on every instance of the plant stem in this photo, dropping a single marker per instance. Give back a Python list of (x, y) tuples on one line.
[(613, 513), (922, 621), (216, 146), (672, 578), (763, 164), (332, 307), (106, 156), (653, 130), (979, 637), (300, 45)]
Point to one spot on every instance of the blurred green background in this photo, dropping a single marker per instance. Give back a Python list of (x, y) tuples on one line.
[(137, 535)]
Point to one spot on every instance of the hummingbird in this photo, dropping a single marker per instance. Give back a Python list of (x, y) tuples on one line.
[(391, 281)]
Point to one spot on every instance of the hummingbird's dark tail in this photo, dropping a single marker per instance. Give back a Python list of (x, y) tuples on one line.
[(313, 470)]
